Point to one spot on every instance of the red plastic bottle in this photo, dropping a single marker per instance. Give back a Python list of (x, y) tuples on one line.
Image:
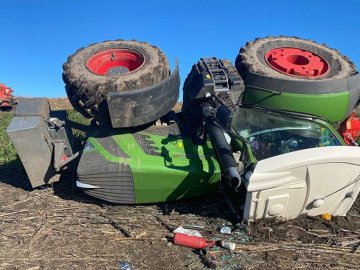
[(191, 241)]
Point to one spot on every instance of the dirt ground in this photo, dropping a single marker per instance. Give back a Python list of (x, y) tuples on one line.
[(60, 228)]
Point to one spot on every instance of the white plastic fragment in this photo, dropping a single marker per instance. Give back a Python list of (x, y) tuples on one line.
[(225, 230), (187, 231), (228, 245)]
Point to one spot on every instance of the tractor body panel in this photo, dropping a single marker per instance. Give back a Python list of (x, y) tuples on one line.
[(311, 181), (331, 106), (330, 99), (150, 168)]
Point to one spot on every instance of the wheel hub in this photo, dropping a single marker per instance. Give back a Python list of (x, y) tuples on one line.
[(114, 62), (297, 62), (117, 71)]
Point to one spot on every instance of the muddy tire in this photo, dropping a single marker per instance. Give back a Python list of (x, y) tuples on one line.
[(111, 66), (326, 63)]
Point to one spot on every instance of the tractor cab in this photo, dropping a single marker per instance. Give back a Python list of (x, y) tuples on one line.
[(299, 165), (271, 133)]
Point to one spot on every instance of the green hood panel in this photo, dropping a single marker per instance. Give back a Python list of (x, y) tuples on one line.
[(164, 168)]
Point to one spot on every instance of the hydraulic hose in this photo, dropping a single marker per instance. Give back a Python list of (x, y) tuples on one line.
[(222, 147)]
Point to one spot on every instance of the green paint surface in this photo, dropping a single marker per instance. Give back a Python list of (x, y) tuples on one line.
[(180, 170), (332, 107)]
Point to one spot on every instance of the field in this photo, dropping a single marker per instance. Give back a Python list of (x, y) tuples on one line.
[(58, 227)]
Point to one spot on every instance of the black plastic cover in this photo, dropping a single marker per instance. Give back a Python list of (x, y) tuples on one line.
[(144, 105), (203, 82)]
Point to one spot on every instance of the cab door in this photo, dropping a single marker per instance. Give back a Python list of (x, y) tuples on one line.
[(311, 181)]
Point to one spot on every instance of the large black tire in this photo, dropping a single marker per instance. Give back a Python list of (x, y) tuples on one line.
[(87, 90), (251, 58)]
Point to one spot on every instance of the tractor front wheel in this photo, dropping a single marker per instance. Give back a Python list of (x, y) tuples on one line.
[(112, 66)]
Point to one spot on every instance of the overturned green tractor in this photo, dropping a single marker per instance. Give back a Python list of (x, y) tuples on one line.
[(262, 133)]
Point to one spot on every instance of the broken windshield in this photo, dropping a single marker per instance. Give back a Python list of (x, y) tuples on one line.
[(270, 134)]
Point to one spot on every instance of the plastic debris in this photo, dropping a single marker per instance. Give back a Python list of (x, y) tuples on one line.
[(194, 242), (227, 244), (225, 230), (326, 216), (242, 234), (187, 231), (243, 238), (125, 266)]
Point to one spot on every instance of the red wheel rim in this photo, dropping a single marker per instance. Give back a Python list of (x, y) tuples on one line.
[(114, 62), (297, 62)]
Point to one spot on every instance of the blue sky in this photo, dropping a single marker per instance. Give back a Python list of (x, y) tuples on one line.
[(37, 36)]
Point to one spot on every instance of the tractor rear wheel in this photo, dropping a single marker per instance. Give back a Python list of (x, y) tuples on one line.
[(293, 59), (111, 66)]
